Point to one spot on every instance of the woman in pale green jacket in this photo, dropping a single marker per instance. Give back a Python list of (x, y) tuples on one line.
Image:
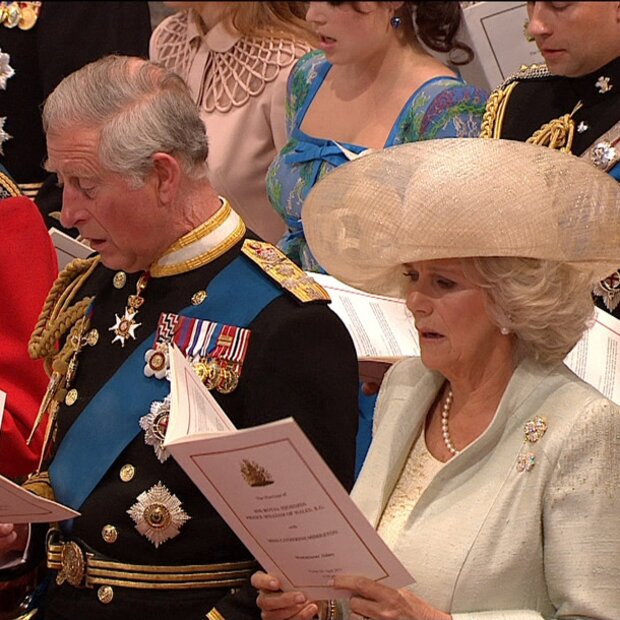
[(494, 472)]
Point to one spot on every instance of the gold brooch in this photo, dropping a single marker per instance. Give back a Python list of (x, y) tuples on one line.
[(535, 429), (526, 462), (158, 514)]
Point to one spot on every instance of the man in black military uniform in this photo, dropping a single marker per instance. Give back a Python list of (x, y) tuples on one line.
[(573, 102), (174, 263), (41, 43)]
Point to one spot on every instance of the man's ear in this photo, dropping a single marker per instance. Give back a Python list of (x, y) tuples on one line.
[(167, 172)]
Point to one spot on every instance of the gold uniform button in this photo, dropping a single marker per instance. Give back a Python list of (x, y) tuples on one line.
[(71, 397), (105, 594), (120, 279), (127, 472), (92, 337), (109, 533), (198, 297)]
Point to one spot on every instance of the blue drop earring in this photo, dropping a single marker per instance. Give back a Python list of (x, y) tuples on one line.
[(395, 22)]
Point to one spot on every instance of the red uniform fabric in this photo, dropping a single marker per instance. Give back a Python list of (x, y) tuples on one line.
[(28, 268)]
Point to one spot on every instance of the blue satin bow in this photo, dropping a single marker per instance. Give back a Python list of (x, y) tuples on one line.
[(316, 153)]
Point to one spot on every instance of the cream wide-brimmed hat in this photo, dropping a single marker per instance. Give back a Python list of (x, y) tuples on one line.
[(460, 197)]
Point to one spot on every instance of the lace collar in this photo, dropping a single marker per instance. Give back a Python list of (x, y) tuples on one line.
[(225, 69)]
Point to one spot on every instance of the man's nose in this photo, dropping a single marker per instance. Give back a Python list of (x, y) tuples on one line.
[(538, 22)]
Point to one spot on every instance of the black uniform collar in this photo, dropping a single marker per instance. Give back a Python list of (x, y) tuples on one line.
[(599, 84)]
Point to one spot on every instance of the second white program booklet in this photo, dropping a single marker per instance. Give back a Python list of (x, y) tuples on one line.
[(382, 329), (277, 494)]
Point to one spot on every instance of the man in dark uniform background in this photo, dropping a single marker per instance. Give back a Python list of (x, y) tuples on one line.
[(573, 102), (128, 146), (41, 43)]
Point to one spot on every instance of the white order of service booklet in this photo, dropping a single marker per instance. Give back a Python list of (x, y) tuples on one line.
[(17, 505), (596, 357), (383, 331), (275, 492), (382, 328), (67, 248)]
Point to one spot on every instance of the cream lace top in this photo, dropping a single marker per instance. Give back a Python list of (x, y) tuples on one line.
[(239, 83), (418, 472)]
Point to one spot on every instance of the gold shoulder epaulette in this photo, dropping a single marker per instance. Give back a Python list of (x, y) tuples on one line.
[(527, 72), (284, 271), (493, 118)]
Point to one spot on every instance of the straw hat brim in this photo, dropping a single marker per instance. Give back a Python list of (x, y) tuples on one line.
[(460, 197)]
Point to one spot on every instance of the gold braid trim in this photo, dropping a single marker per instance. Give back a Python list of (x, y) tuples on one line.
[(493, 118), (57, 316), (557, 134)]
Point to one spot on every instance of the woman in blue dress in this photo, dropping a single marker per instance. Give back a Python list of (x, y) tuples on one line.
[(371, 85)]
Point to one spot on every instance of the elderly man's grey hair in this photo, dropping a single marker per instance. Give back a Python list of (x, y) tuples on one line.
[(140, 107)]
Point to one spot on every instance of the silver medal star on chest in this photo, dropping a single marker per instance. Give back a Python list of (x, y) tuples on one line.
[(154, 425), (603, 84), (6, 71), (4, 136)]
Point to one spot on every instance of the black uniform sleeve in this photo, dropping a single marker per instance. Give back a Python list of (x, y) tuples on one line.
[(306, 367)]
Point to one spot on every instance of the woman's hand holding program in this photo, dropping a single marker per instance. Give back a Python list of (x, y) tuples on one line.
[(376, 601)]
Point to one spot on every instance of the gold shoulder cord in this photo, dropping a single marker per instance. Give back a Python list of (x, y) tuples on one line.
[(493, 118), (558, 133), (56, 319)]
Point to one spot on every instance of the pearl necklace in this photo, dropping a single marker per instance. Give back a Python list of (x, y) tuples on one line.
[(445, 412)]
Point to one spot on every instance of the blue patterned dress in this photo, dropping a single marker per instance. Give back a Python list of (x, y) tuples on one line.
[(443, 107)]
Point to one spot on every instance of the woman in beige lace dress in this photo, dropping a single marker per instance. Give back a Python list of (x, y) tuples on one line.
[(236, 58)]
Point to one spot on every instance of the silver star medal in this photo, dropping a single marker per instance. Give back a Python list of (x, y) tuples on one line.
[(603, 84), (124, 328), (6, 71), (154, 424), (4, 136), (158, 514)]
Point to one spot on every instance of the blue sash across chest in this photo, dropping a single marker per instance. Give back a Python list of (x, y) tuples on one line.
[(111, 420)]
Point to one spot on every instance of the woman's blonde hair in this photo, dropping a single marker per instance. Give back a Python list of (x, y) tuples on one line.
[(268, 19), (547, 305)]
